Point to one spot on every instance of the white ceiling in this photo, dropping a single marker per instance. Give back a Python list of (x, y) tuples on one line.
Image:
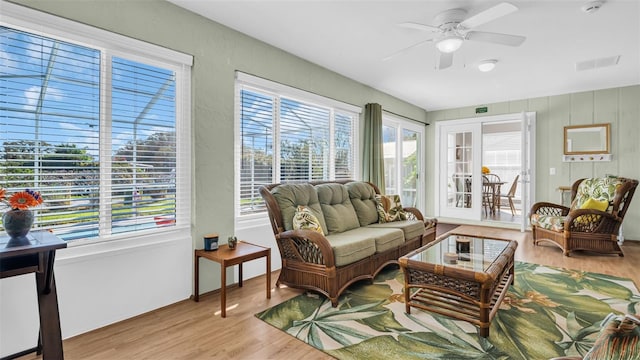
[(351, 37)]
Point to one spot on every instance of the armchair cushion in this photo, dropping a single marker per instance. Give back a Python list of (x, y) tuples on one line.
[(549, 222), (601, 189)]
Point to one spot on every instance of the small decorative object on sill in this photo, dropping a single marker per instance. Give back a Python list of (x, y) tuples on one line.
[(211, 242), (486, 170), (450, 258), (17, 222), (232, 241)]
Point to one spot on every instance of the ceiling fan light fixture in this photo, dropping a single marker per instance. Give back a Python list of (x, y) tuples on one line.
[(487, 65), (449, 43)]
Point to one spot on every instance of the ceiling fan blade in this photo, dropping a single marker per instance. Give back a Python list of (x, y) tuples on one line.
[(423, 27), (490, 14), (445, 60), (496, 38), (402, 51)]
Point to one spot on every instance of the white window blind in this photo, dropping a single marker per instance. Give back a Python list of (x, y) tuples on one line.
[(104, 156), (285, 138), (256, 158), (143, 132)]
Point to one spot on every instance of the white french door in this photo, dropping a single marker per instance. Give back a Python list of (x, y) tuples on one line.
[(403, 160), (460, 155), (459, 147)]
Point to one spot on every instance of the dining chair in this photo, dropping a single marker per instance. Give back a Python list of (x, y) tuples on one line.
[(511, 194), (488, 194)]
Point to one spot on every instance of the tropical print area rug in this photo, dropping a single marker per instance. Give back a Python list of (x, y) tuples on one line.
[(548, 312)]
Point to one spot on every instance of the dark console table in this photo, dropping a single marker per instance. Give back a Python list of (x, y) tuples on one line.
[(37, 256)]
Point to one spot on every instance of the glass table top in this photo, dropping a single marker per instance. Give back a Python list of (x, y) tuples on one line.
[(461, 251)]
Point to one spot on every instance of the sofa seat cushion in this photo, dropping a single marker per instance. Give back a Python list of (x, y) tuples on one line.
[(339, 214), (351, 246), (386, 238), (290, 196), (549, 222), (411, 228), (363, 198)]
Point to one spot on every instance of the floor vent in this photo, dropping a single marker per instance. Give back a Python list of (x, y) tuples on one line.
[(597, 63)]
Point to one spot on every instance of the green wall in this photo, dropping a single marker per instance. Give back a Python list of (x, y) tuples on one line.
[(618, 106)]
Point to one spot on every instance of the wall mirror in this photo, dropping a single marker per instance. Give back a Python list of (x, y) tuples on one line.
[(587, 139)]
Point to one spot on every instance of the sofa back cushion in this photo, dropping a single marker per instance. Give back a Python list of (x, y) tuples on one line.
[(363, 199), (599, 189), (290, 196), (338, 211)]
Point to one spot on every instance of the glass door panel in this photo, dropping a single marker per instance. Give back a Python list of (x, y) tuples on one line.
[(402, 160), (410, 142), (389, 139), (459, 189)]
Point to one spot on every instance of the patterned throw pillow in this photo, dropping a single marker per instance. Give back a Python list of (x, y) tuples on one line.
[(596, 188), (303, 219), (619, 339), (389, 208)]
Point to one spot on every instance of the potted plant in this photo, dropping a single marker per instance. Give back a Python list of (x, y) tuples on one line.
[(17, 221)]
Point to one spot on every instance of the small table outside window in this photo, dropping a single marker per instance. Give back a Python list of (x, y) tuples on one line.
[(228, 257)]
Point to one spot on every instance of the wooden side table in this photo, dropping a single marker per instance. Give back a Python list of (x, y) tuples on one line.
[(38, 257), (228, 257), (564, 190)]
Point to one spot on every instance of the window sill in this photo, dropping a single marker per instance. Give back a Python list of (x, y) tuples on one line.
[(82, 250), (252, 221)]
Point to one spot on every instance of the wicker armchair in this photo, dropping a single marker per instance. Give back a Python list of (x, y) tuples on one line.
[(578, 228)]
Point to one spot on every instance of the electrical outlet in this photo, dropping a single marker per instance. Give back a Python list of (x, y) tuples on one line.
[(552, 171)]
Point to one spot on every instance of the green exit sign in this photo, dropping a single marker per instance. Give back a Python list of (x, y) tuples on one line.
[(481, 110)]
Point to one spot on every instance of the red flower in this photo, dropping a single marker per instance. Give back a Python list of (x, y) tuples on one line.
[(22, 200)]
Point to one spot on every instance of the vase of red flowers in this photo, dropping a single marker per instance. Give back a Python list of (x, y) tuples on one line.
[(18, 220)]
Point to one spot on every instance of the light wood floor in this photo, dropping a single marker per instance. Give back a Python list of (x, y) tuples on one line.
[(190, 330)]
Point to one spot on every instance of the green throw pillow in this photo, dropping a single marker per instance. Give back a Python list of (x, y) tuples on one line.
[(389, 208), (303, 219)]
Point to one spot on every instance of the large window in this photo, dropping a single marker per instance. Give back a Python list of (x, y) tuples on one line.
[(94, 131), (286, 135)]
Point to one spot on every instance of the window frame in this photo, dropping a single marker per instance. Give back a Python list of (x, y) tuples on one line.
[(114, 45), (277, 90)]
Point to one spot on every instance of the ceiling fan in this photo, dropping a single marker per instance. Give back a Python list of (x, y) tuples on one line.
[(454, 28)]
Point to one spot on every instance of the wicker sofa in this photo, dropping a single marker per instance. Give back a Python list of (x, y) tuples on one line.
[(353, 245)]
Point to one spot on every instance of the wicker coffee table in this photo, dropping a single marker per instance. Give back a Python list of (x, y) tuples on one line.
[(467, 285)]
